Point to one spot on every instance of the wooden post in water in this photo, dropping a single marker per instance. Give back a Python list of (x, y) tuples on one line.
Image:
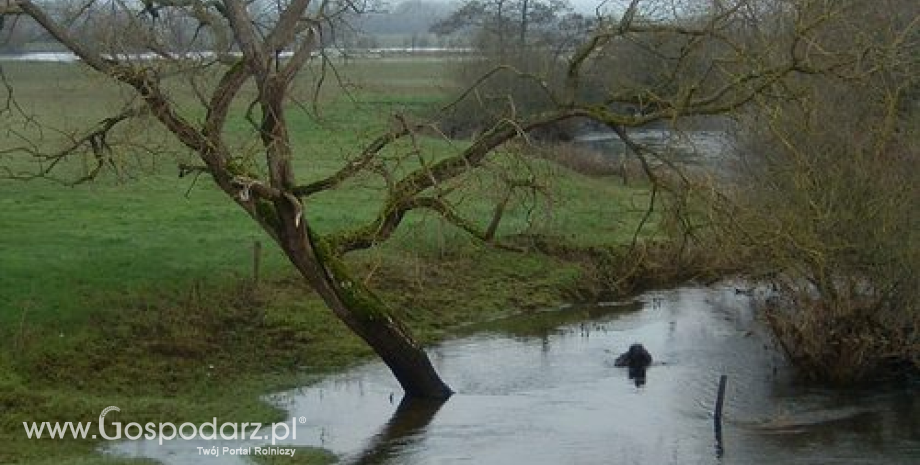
[(717, 415)]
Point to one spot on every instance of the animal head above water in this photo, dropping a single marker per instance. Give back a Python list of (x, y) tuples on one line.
[(636, 357)]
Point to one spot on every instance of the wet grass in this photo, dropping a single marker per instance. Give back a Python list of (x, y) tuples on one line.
[(136, 290), (548, 321), (213, 351)]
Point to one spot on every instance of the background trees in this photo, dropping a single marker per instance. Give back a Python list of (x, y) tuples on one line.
[(521, 45), (507, 27)]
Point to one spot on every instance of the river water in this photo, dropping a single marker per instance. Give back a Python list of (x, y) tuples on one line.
[(708, 151), (542, 389)]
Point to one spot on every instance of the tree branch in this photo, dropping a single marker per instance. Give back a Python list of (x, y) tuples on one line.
[(96, 141)]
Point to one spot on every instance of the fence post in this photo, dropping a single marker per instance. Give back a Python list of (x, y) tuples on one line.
[(256, 262), (717, 415)]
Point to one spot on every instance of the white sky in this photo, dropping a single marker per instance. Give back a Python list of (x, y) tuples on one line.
[(588, 6), (582, 6)]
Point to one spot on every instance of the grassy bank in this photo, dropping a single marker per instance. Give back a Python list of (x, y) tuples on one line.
[(136, 290), (214, 349)]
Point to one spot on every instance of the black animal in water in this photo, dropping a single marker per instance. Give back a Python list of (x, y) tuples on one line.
[(637, 359)]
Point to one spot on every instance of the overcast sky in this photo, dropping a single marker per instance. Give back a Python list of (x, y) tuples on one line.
[(591, 5), (585, 6)]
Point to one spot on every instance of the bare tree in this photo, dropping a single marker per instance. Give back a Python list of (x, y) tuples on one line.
[(710, 68), (504, 26)]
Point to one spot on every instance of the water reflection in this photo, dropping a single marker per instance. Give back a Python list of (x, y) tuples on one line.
[(406, 426), (637, 374)]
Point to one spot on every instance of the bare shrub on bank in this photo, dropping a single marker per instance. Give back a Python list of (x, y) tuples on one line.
[(826, 200)]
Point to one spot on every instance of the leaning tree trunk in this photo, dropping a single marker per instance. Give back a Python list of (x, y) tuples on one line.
[(357, 306)]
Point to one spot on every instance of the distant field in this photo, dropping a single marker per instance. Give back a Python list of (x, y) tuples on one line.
[(67, 250)]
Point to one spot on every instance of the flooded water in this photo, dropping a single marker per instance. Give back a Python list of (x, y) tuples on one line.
[(543, 389), (388, 52), (706, 150)]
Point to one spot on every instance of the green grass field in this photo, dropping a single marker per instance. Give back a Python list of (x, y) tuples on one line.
[(134, 290), (65, 247)]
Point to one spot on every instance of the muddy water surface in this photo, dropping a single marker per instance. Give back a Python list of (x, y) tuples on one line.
[(542, 390)]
